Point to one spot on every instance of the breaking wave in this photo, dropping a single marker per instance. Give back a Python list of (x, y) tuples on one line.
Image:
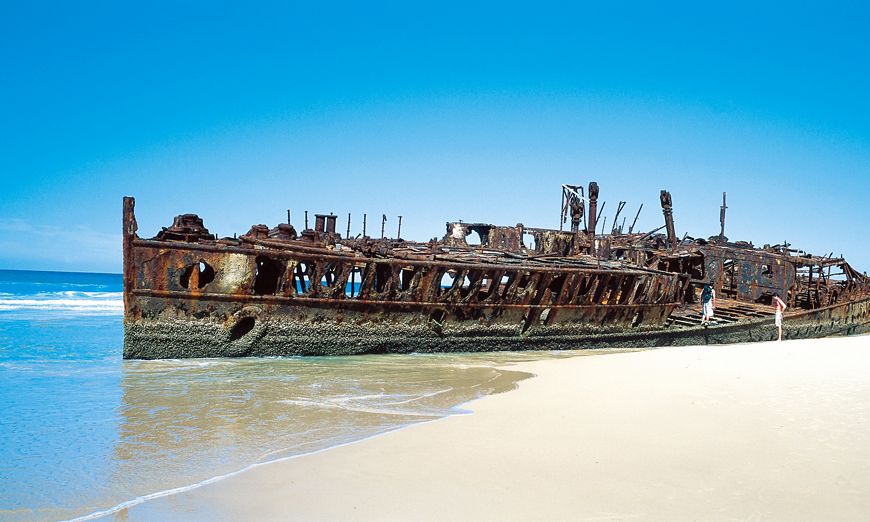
[(69, 301)]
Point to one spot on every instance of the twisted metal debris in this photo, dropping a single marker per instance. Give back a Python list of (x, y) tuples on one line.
[(276, 291)]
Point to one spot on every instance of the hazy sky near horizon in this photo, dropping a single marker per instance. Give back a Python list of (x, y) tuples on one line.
[(434, 111)]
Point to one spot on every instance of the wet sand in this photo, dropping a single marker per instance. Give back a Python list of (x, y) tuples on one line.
[(768, 431)]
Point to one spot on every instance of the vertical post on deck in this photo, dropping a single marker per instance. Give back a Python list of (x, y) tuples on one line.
[(593, 206), (128, 235), (668, 211)]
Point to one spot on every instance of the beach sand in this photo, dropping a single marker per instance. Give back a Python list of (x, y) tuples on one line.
[(767, 431)]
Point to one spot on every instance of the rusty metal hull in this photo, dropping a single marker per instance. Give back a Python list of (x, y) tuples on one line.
[(302, 332), (273, 292), (169, 316)]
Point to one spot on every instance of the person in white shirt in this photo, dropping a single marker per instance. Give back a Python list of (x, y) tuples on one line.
[(708, 302), (780, 308)]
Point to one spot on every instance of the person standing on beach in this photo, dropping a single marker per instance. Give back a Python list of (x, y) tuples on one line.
[(780, 308), (708, 302)]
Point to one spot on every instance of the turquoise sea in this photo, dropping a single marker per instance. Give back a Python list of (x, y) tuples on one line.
[(83, 432)]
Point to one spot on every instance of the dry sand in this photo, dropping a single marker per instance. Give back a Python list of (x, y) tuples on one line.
[(772, 431)]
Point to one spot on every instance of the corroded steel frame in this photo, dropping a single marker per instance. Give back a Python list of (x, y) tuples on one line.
[(279, 292)]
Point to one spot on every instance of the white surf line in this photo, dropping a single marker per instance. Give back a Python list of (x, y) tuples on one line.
[(165, 493), (61, 304), (457, 410)]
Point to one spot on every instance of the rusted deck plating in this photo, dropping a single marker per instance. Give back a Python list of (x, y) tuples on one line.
[(580, 279)]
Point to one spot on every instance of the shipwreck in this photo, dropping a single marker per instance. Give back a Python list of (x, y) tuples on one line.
[(282, 292)]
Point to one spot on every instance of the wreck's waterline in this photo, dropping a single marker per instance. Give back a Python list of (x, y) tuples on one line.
[(276, 292), (84, 430)]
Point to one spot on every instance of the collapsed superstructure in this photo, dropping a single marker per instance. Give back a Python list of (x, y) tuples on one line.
[(276, 291)]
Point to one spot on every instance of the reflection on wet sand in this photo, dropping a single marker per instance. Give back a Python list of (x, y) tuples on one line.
[(185, 421)]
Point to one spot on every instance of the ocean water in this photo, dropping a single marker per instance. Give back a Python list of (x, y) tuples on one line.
[(82, 431)]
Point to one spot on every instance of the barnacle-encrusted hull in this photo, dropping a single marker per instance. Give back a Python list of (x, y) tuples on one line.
[(280, 334), (273, 292)]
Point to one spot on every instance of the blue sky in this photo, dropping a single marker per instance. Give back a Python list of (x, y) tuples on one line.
[(435, 111)]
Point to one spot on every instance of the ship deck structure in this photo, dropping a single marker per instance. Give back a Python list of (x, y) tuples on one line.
[(278, 292)]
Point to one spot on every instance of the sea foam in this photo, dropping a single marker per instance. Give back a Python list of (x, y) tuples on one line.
[(102, 303)]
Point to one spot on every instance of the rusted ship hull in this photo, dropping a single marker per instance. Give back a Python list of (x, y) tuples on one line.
[(273, 292), (519, 309), (288, 334)]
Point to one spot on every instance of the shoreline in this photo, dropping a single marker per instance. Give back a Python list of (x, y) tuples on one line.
[(735, 436), (129, 504), (457, 410)]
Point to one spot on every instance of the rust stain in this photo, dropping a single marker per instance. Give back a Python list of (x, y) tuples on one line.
[(480, 273)]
